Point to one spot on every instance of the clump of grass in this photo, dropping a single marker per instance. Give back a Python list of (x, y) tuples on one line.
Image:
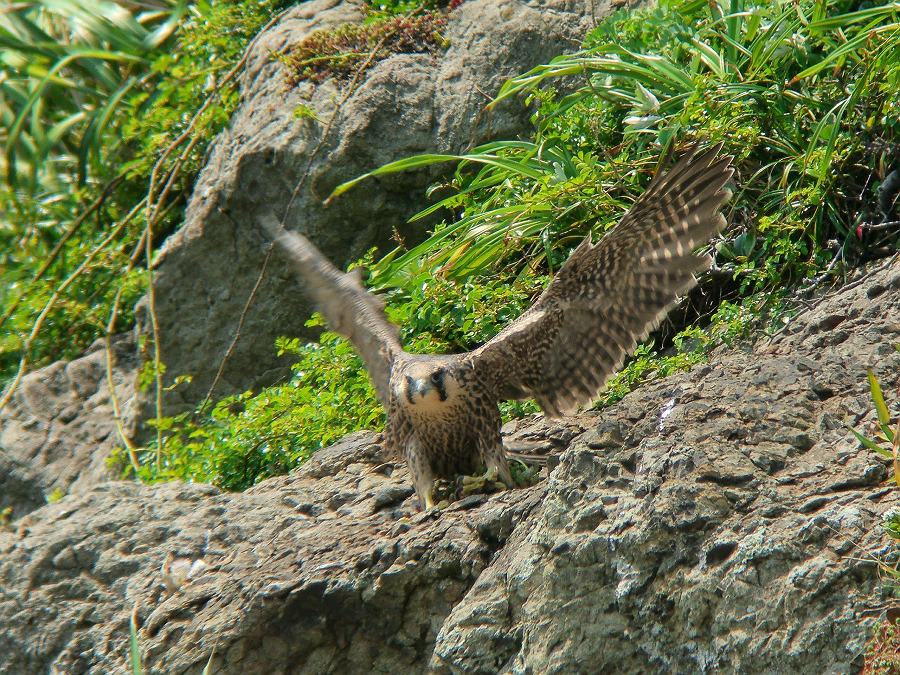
[(341, 53)]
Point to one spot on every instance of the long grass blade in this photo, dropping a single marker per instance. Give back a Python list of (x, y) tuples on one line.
[(419, 161), (884, 417), (134, 647), (871, 445)]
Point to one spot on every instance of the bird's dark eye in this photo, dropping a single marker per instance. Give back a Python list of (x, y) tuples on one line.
[(436, 376)]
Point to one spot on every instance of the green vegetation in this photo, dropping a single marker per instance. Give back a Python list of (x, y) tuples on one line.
[(347, 52), (883, 433), (100, 152), (804, 94), (807, 102), (804, 98), (883, 650), (883, 438), (883, 654)]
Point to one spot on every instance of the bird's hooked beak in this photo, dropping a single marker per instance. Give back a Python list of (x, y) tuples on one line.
[(420, 388), (416, 389)]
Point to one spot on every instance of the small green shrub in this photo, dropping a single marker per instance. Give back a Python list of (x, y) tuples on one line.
[(247, 437)]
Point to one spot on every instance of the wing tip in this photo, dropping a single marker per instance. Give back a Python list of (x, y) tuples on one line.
[(271, 225)]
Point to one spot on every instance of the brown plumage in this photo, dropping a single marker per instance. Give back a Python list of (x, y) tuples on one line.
[(442, 410)]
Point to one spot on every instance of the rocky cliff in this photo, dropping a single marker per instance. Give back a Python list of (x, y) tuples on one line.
[(719, 520)]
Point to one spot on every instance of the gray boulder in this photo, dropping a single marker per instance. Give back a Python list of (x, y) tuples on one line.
[(721, 520), (406, 104), (327, 570), (59, 428)]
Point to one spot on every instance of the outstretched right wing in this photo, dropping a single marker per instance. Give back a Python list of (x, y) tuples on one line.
[(348, 308), (609, 295)]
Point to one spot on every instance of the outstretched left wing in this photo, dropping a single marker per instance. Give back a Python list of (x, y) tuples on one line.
[(609, 295), (348, 308)]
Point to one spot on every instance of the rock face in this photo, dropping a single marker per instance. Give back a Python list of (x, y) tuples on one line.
[(59, 428), (405, 105), (722, 520), (716, 522), (315, 572)]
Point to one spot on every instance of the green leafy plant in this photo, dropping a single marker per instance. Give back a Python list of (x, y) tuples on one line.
[(67, 70), (379, 9), (886, 432), (131, 86), (55, 495), (804, 96), (251, 436)]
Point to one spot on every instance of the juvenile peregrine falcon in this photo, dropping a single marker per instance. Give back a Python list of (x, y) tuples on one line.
[(442, 411)]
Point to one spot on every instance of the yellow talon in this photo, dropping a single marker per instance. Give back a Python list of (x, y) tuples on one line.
[(429, 500)]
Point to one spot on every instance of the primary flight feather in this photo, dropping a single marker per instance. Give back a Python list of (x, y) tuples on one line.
[(442, 412)]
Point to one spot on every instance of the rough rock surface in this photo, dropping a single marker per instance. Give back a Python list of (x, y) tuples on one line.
[(59, 427), (721, 520), (405, 105), (327, 570)]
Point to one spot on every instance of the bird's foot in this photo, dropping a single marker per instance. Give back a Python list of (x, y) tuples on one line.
[(485, 483), (524, 475), (444, 492)]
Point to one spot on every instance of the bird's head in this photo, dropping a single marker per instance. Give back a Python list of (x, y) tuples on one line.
[(428, 385)]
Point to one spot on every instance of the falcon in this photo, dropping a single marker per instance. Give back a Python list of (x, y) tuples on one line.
[(442, 410)]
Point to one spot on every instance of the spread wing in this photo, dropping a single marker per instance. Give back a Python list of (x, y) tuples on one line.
[(348, 308), (610, 295)]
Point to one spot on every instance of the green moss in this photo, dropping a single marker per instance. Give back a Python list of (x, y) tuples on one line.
[(348, 50)]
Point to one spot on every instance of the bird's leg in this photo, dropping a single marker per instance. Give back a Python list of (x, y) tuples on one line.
[(496, 461), (427, 500), (422, 478)]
